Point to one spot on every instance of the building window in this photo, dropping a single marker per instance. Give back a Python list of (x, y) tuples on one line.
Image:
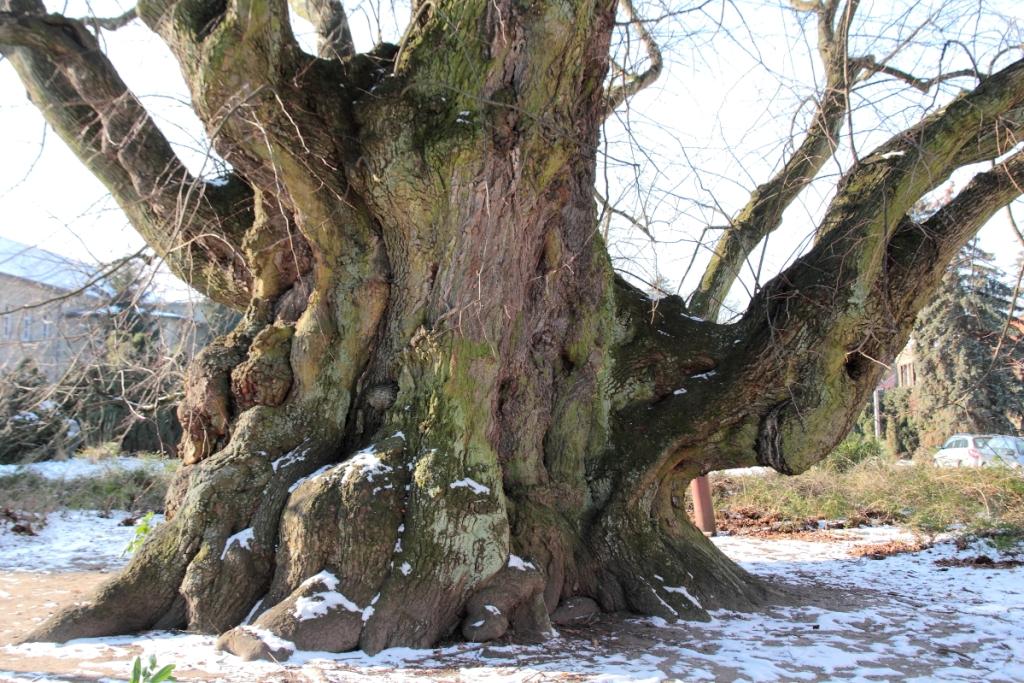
[(26, 327), (47, 329), (8, 324)]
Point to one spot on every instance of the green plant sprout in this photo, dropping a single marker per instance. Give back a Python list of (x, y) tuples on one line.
[(150, 673), (142, 529)]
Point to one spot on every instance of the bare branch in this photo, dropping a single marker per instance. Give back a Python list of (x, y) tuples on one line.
[(763, 211), (854, 297), (100, 276), (633, 83), (869, 66), (807, 5), (111, 23)]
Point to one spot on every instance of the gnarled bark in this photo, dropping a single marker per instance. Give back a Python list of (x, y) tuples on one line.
[(441, 411)]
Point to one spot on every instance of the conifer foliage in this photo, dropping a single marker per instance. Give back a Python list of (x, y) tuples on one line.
[(967, 352)]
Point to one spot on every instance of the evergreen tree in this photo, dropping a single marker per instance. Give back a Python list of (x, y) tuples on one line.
[(963, 383)]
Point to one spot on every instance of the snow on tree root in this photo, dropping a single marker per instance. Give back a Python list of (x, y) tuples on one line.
[(317, 616), (513, 597), (353, 539), (338, 532)]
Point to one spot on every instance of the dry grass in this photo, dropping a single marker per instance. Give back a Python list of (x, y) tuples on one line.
[(116, 489), (982, 501)]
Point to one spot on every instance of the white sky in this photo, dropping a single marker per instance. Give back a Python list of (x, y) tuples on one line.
[(713, 127)]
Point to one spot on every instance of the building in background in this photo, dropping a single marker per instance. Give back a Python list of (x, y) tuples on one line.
[(56, 311)]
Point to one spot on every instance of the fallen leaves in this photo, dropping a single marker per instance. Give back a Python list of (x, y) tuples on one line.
[(979, 562)]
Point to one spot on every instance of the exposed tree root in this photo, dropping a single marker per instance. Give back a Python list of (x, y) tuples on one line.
[(673, 574)]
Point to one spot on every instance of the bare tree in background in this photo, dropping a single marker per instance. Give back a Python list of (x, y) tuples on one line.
[(441, 403), (91, 355)]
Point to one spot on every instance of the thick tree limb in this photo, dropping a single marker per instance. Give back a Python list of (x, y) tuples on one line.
[(334, 39), (236, 58), (832, 378), (269, 112), (792, 376), (831, 319), (763, 212), (195, 226)]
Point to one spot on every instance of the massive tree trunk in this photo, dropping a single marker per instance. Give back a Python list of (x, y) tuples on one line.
[(442, 411)]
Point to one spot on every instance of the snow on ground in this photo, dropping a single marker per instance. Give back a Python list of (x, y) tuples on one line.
[(78, 468), (73, 540), (745, 472), (903, 617)]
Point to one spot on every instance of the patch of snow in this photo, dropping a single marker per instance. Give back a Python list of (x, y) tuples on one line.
[(685, 593), (272, 641), (73, 540), (892, 155), (243, 538), (319, 604), (493, 610), (516, 562), (399, 435), (312, 475), (918, 622), (252, 613), (406, 569), (472, 484), (694, 318), (290, 458), (329, 580), (664, 604), (679, 392), (366, 464), (756, 471), (84, 468), (705, 375)]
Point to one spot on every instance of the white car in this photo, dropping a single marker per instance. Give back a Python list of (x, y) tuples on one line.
[(966, 450), (1009, 448)]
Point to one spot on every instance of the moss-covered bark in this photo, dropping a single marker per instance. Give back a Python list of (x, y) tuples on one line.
[(441, 412)]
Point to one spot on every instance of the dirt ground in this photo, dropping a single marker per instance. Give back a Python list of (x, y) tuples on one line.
[(622, 641), (854, 607)]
